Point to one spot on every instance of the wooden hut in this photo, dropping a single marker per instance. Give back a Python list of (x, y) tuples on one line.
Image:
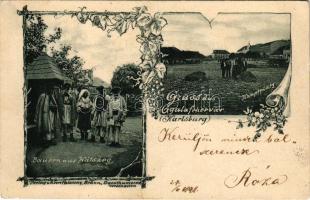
[(43, 72)]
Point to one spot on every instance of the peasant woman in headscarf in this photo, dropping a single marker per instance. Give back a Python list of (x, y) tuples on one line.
[(84, 108)]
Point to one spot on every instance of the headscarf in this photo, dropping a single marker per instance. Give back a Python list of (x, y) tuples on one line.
[(82, 93), (84, 102)]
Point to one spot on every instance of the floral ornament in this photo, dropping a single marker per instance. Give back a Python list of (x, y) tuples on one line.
[(149, 49), (100, 21), (161, 70), (110, 22), (152, 70), (154, 96), (149, 72), (264, 118), (83, 18), (151, 25)]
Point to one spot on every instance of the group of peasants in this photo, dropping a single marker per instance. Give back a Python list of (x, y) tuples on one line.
[(233, 67), (61, 111)]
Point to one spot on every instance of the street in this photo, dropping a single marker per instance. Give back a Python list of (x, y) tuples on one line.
[(81, 158)]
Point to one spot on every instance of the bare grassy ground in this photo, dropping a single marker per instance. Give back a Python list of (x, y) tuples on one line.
[(230, 90), (131, 141)]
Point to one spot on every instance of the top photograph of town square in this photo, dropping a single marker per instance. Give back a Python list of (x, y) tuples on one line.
[(238, 58)]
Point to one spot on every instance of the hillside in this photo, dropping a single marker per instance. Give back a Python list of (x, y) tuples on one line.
[(269, 47), (175, 53)]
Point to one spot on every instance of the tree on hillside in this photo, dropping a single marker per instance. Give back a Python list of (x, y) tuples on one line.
[(121, 79), (35, 40)]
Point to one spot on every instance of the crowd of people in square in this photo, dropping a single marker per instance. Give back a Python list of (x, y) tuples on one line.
[(232, 67), (61, 111)]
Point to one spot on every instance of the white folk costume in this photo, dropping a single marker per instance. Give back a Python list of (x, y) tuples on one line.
[(70, 107), (117, 110), (100, 115)]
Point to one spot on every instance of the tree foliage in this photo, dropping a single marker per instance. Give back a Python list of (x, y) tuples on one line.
[(35, 40), (121, 78), (70, 66), (37, 43)]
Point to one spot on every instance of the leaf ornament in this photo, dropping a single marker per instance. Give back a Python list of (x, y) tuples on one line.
[(149, 24), (82, 16), (149, 48), (99, 21), (158, 24), (157, 39), (144, 19), (121, 24)]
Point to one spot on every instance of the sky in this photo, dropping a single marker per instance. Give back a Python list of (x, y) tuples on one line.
[(184, 31), (229, 31)]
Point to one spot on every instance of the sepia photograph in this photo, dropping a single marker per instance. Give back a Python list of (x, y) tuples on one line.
[(83, 115), (223, 65)]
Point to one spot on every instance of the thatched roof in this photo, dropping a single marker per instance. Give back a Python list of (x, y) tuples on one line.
[(44, 67)]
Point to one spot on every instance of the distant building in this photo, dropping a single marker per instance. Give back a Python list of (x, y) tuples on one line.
[(87, 77), (287, 53), (220, 54), (244, 49), (283, 52), (269, 49)]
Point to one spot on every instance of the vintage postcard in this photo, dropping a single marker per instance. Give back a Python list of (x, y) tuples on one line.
[(154, 100)]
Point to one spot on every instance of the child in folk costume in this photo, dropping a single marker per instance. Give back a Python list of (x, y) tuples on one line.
[(84, 108), (117, 110), (68, 118), (100, 115)]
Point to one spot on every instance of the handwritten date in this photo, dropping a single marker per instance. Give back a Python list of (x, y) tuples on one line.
[(178, 187)]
